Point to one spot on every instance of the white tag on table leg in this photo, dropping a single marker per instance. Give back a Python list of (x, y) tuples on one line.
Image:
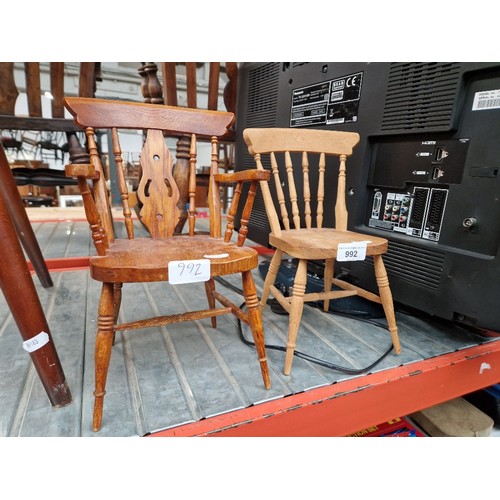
[(36, 342), (188, 271), (351, 251)]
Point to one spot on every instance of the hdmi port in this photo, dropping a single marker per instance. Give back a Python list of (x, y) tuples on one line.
[(437, 172), (441, 153)]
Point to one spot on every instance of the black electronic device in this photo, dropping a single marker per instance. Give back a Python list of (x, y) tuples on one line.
[(425, 174)]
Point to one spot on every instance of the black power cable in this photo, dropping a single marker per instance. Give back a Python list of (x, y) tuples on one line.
[(307, 357)]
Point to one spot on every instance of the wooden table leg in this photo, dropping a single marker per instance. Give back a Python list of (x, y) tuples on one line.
[(21, 296), (21, 222)]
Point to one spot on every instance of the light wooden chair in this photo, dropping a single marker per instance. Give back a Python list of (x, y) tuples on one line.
[(308, 239), (157, 258)]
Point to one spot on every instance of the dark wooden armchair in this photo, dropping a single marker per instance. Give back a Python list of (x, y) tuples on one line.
[(165, 255)]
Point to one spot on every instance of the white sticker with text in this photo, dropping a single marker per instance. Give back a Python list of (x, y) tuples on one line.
[(486, 99), (36, 342), (188, 271), (351, 251)]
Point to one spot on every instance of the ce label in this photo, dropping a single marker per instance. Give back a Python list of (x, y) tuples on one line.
[(351, 81)]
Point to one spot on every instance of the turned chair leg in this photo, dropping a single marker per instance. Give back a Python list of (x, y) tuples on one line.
[(272, 272), (386, 299), (296, 308), (255, 323), (327, 278), (104, 341), (210, 291), (117, 301)]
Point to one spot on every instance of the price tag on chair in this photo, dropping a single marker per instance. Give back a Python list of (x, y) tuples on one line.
[(188, 271), (351, 251)]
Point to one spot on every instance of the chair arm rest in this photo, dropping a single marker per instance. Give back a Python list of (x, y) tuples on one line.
[(254, 176), (81, 170), (244, 175)]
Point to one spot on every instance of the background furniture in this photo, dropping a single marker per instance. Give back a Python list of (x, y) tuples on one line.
[(56, 124), (36, 122), (20, 221), (301, 235), (165, 256), (16, 281), (18, 287)]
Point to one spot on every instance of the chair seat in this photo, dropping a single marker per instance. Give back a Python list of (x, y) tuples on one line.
[(146, 259), (323, 243)]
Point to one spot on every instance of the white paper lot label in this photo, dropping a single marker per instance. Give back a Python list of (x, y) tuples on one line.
[(36, 342), (351, 251), (188, 271)]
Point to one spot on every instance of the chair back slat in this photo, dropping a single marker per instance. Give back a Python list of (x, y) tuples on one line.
[(122, 183), (245, 215), (231, 88), (231, 213), (192, 185), (100, 191), (307, 192), (86, 86), (157, 189), (321, 190), (279, 191), (214, 202), (8, 89), (340, 205), (292, 191), (213, 85), (169, 83), (33, 89), (192, 91), (57, 88)]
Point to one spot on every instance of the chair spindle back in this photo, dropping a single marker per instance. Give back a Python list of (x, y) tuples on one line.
[(311, 148)]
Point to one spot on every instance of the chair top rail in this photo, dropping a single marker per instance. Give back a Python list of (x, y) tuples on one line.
[(103, 113), (261, 140)]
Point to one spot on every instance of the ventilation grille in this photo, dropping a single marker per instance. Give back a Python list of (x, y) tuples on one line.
[(417, 266), (421, 96), (262, 97)]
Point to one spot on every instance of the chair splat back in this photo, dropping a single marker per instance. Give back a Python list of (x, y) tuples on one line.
[(157, 191), (313, 146)]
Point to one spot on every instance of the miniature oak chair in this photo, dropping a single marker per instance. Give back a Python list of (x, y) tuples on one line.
[(305, 240), (163, 255)]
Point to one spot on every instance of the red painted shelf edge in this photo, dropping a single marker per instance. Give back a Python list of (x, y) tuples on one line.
[(348, 406), (64, 264)]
